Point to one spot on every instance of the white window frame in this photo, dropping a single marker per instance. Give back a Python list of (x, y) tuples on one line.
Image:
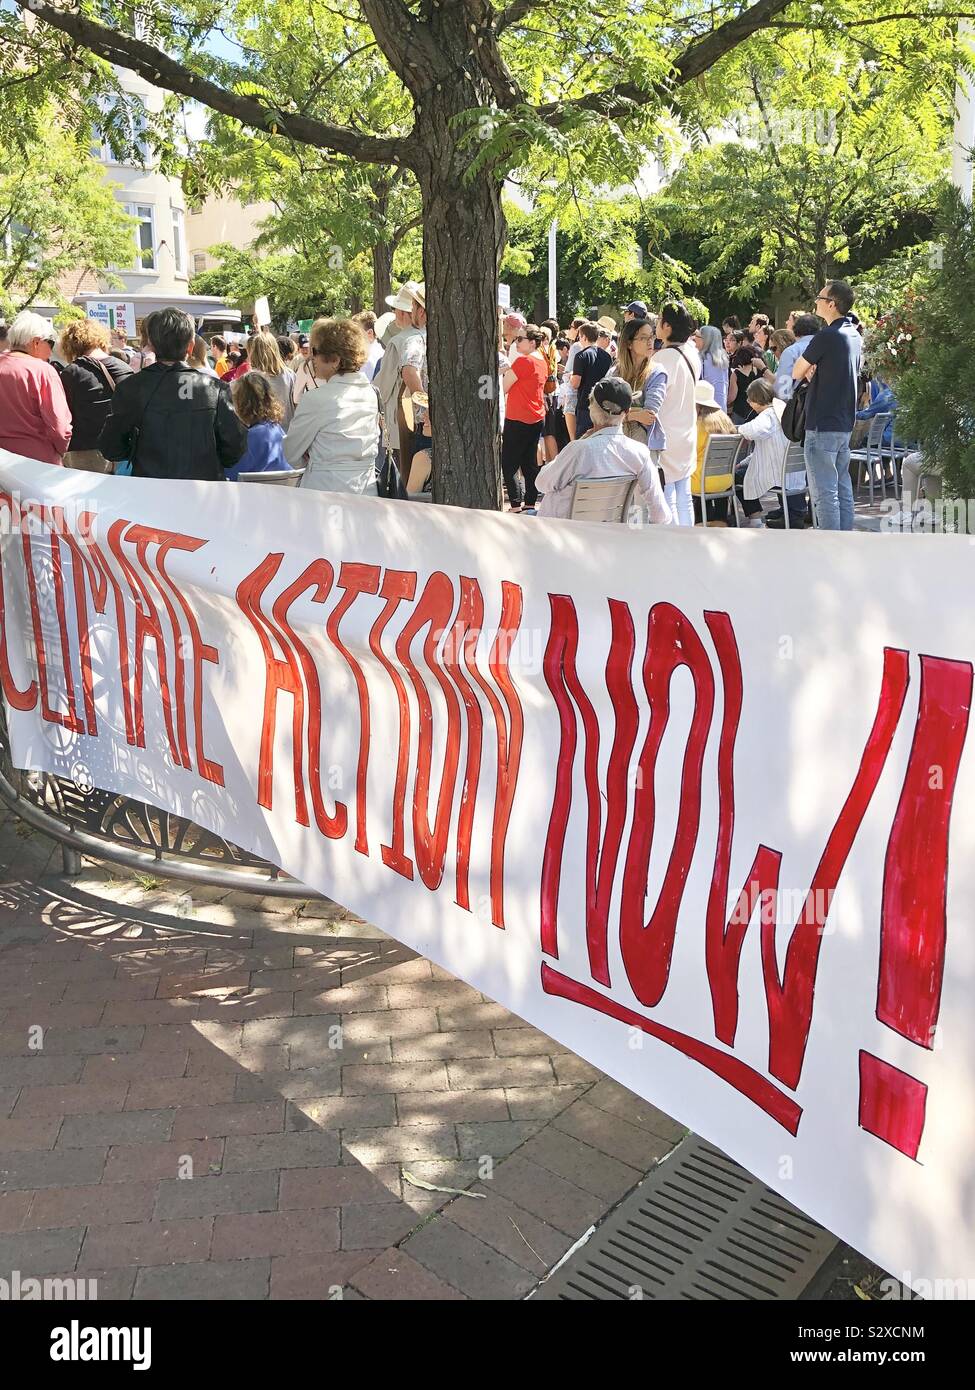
[(133, 209), (179, 239)]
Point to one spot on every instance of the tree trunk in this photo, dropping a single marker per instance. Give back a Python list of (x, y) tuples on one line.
[(463, 238), (382, 276)]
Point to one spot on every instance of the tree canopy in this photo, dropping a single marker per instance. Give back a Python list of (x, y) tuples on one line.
[(58, 215), (460, 94)]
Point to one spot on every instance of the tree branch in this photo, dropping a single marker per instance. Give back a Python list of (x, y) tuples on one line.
[(157, 67), (692, 63)]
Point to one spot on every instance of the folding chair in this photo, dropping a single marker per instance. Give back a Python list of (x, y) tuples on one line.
[(720, 456), (873, 454), (793, 461), (602, 499), (277, 476)]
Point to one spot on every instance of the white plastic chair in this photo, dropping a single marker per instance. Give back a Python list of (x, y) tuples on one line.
[(279, 477), (602, 499)]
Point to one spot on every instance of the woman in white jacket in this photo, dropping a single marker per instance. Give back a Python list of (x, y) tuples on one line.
[(335, 430)]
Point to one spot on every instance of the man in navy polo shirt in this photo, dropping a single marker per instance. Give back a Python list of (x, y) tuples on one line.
[(830, 361)]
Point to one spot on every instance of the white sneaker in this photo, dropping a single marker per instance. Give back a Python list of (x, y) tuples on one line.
[(755, 522)]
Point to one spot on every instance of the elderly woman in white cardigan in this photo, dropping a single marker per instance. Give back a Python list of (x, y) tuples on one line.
[(334, 434)]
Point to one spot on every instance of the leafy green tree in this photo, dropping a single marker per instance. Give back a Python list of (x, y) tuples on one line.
[(57, 215), (460, 93), (935, 396), (834, 154)]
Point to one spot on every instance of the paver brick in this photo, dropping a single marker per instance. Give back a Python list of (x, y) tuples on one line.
[(291, 1085), (120, 1127), (396, 1276), (525, 1239), (90, 1042), (540, 1191), (640, 1148), (146, 1243), (157, 1162), (491, 1072), (431, 994), (525, 1042), (347, 999), (401, 1142), (13, 1209), (318, 1277), (211, 1061), (84, 1015), (369, 1078), (287, 1233), (388, 1025), (448, 1107), (239, 1117), (39, 1071), (150, 1011), (617, 1100), (27, 1132), (243, 1280), (101, 1204), (467, 1262), (376, 1225), (216, 1196), (51, 1168), (254, 1152), (446, 1046), (494, 1139), (540, 1102), (136, 1066), (475, 1014), (39, 1252), (176, 1091), (581, 1164), (338, 1112), (98, 1098), (334, 1187)]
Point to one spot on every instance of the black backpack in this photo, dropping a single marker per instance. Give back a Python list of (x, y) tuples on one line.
[(794, 415)]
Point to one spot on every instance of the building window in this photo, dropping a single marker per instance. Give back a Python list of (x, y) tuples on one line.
[(145, 240), (199, 262), (179, 239)]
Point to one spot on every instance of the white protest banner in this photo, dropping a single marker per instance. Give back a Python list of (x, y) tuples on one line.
[(504, 297), (699, 805), (262, 311)]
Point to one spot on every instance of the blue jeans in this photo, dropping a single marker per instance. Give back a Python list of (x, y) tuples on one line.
[(828, 472)]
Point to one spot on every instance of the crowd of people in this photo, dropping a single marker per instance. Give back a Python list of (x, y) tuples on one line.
[(598, 399), (687, 383)]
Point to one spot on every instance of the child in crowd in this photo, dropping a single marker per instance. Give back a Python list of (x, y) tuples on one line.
[(261, 411)]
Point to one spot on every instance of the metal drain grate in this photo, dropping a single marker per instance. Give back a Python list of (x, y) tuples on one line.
[(699, 1227)]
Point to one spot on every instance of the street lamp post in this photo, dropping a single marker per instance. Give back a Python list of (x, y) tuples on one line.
[(964, 133), (552, 270)]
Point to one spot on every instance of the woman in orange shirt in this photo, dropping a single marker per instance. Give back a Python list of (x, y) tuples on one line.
[(524, 415)]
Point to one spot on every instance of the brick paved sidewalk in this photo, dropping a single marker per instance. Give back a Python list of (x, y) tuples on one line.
[(236, 1104)]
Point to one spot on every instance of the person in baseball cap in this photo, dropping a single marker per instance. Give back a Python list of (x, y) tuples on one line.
[(614, 397), (603, 453), (636, 309)]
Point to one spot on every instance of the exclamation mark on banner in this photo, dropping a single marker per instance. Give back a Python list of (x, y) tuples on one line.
[(913, 924)]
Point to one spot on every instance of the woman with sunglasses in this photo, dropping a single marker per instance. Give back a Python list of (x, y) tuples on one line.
[(35, 421)]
